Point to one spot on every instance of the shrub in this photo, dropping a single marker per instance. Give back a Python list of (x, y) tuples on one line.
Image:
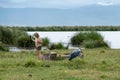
[(45, 42), (2, 48), (78, 39), (88, 44), (94, 44), (56, 46), (24, 41), (30, 64), (6, 36), (88, 40), (60, 46), (93, 35)]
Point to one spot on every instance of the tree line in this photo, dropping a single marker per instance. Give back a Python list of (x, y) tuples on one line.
[(65, 28)]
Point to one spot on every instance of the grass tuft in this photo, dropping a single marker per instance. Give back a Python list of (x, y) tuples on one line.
[(30, 64)]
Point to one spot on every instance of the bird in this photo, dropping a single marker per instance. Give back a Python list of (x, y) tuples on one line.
[(75, 53)]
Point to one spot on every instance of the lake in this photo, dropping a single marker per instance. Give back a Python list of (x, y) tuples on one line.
[(111, 37)]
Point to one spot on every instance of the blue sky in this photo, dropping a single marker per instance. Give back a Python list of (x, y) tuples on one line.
[(54, 3), (60, 12)]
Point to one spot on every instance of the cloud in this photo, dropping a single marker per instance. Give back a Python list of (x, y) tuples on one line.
[(44, 3), (53, 3), (18, 1), (105, 3)]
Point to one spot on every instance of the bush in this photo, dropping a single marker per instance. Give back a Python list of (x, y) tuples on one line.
[(94, 44), (60, 46), (56, 46), (88, 44), (24, 41), (10, 36), (6, 36), (88, 40), (45, 42), (93, 35), (30, 64), (78, 39), (2, 48)]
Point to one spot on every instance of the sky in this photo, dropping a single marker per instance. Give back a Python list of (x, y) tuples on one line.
[(60, 12), (54, 3)]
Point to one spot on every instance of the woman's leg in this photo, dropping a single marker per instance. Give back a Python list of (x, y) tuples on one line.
[(39, 54)]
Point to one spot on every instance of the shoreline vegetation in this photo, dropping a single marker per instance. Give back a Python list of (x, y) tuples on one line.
[(64, 28), (14, 36)]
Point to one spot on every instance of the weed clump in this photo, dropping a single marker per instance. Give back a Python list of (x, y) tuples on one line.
[(30, 64)]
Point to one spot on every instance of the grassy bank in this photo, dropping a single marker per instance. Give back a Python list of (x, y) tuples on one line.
[(98, 64)]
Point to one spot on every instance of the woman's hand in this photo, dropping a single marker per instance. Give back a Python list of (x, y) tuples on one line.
[(32, 38)]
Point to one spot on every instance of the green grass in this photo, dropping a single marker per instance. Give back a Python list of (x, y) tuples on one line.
[(97, 64)]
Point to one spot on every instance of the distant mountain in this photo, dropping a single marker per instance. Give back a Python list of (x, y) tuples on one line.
[(87, 15)]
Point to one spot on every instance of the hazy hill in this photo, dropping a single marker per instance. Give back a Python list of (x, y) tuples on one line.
[(87, 15)]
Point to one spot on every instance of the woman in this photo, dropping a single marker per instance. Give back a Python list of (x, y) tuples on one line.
[(38, 45)]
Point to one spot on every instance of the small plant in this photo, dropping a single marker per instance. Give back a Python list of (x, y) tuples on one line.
[(57, 46), (103, 76), (30, 64), (104, 62)]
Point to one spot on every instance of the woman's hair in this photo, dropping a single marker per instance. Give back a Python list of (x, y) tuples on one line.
[(36, 35)]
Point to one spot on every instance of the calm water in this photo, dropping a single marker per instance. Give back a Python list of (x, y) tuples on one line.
[(111, 37)]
